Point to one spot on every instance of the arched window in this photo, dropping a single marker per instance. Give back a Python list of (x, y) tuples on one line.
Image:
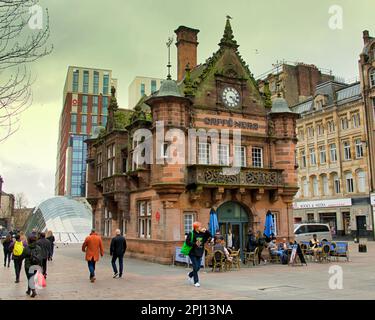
[(372, 78), (336, 183), (305, 185), (315, 186), (361, 180), (349, 182), (324, 185)]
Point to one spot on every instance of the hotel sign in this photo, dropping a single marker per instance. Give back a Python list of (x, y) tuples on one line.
[(231, 123), (322, 203)]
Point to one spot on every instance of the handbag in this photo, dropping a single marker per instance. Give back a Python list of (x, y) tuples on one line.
[(185, 250), (40, 281)]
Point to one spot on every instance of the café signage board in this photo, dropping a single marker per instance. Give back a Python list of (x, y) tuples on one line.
[(323, 203), (231, 123)]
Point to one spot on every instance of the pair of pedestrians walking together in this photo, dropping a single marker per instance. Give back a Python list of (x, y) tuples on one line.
[(93, 247)]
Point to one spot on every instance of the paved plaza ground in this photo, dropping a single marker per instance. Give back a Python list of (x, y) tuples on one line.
[(68, 279)]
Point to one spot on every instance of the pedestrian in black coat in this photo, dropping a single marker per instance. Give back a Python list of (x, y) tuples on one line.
[(7, 253), (117, 251), (45, 245)]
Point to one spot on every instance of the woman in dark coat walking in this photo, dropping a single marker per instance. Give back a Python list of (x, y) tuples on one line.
[(33, 260), (197, 240), (6, 249), (50, 237)]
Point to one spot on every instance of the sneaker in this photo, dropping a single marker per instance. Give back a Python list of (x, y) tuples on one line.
[(120, 276), (190, 279), (115, 275), (197, 285), (265, 261)]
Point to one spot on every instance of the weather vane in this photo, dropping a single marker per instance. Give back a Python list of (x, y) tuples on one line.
[(169, 42)]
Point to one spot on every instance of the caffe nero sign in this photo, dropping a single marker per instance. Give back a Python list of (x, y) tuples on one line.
[(231, 123)]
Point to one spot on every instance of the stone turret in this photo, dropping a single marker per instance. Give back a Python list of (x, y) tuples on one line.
[(283, 121)]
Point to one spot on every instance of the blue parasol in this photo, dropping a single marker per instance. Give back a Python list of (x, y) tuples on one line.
[(214, 224), (269, 230)]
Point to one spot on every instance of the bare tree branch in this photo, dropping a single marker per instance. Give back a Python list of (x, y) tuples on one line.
[(19, 46)]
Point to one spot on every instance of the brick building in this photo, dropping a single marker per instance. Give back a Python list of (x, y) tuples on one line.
[(155, 203), (7, 202), (296, 82)]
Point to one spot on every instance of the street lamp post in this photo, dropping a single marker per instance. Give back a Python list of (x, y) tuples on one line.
[(1, 188)]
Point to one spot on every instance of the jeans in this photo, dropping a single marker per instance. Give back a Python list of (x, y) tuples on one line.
[(17, 267), (91, 265), (52, 249), (120, 262), (7, 256), (196, 262)]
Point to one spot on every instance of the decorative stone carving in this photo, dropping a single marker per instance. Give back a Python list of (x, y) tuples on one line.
[(246, 177)]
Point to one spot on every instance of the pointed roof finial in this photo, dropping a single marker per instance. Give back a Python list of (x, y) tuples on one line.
[(169, 42), (228, 37)]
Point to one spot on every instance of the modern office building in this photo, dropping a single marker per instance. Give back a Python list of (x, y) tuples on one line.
[(140, 87), (86, 97)]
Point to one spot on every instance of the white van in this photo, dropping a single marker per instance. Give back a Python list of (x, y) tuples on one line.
[(305, 232)]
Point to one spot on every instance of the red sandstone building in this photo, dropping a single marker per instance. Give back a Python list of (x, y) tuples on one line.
[(155, 204)]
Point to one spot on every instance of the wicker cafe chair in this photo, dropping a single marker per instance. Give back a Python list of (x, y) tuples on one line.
[(251, 256), (307, 252), (218, 261), (274, 258), (325, 253), (236, 259)]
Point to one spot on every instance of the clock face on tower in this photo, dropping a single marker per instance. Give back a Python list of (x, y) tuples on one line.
[(231, 97)]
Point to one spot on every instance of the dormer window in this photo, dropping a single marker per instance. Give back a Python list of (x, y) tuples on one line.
[(318, 105)]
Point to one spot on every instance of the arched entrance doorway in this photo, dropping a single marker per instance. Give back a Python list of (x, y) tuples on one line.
[(234, 222)]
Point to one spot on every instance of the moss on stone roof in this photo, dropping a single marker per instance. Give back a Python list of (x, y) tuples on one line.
[(122, 118)]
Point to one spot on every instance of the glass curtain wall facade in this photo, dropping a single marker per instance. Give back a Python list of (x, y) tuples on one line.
[(79, 152)]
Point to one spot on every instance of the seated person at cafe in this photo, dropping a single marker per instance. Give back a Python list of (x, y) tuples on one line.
[(274, 249), (284, 246), (220, 246), (315, 246)]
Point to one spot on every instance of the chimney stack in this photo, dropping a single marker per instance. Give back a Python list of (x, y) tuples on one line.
[(366, 37), (186, 49)]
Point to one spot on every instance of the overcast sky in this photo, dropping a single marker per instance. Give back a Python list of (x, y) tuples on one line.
[(129, 36)]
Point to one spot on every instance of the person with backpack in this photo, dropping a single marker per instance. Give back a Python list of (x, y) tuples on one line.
[(17, 248), (45, 245), (196, 239), (117, 251), (7, 253), (92, 246), (33, 258)]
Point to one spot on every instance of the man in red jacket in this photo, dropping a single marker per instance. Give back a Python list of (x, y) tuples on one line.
[(93, 245)]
